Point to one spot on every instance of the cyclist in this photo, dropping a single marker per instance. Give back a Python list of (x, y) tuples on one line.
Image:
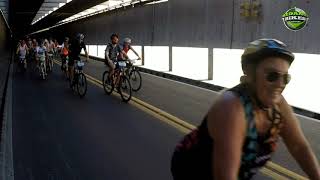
[(30, 50), (56, 45), (241, 130), (114, 52), (64, 52), (33, 51), (41, 53), (74, 53), (126, 46), (22, 51), (50, 51)]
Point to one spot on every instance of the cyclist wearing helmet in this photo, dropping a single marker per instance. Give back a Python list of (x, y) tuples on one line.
[(74, 52), (240, 132), (64, 51), (114, 52), (126, 46)]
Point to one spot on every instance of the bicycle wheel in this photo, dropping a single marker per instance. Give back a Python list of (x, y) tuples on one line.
[(82, 85), (125, 89), (52, 63), (43, 75), (73, 82), (107, 83), (49, 66), (135, 80)]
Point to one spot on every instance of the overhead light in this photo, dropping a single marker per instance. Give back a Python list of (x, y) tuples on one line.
[(69, 1), (55, 8), (61, 4), (50, 12), (106, 6), (157, 2)]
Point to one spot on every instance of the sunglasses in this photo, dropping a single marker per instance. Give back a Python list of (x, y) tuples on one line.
[(275, 76)]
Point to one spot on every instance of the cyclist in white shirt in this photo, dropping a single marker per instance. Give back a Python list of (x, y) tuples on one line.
[(22, 51), (41, 53)]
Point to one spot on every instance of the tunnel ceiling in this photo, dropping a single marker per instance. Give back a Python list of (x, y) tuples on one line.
[(22, 13)]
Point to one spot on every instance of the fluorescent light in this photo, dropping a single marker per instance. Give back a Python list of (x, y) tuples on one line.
[(104, 7), (157, 2), (61, 4)]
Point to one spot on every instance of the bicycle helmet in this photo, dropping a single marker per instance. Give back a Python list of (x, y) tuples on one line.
[(264, 48), (127, 40)]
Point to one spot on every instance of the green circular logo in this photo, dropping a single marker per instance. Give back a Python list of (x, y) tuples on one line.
[(295, 19)]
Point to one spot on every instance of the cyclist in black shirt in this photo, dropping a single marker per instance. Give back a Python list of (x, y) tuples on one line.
[(74, 52)]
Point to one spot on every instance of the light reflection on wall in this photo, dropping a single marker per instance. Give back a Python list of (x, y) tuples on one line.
[(93, 50), (156, 57), (303, 90), (101, 51), (227, 67), (190, 62)]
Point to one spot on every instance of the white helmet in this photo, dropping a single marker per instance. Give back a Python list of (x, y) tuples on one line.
[(127, 40)]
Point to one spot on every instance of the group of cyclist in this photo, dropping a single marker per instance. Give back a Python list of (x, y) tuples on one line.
[(30, 51), (34, 52)]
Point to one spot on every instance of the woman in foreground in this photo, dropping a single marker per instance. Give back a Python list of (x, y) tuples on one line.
[(240, 132)]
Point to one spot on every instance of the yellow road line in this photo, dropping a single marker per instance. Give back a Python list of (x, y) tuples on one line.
[(185, 127), (285, 171), (272, 174)]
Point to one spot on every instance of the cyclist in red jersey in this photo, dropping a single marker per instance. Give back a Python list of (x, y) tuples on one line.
[(126, 46)]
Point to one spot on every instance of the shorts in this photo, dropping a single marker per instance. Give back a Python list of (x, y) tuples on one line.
[(72, 60)]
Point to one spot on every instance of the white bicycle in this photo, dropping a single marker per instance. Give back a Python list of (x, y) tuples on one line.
[(42, 67), (50, 62)]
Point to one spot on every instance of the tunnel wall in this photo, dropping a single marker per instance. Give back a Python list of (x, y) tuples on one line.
[(211, 24), (201, 23), (5, 57), (5, 53)]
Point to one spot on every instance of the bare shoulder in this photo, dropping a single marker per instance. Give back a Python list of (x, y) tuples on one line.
[(226, 114)]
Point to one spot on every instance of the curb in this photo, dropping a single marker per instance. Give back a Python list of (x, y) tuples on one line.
[(6, 155)]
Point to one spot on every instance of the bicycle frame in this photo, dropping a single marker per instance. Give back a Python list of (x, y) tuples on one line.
[(119, 71), (78, 66)]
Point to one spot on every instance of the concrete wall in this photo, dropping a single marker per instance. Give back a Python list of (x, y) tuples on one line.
[(5, 55), (201, 23)]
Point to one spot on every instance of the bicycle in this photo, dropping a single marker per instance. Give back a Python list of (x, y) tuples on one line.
[(50, 62), (119, 80), (134, 75), (42, 67), (22, 64), (64, 65), (79, 82)]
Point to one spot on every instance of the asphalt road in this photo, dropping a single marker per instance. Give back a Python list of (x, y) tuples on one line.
[(57, 135)]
